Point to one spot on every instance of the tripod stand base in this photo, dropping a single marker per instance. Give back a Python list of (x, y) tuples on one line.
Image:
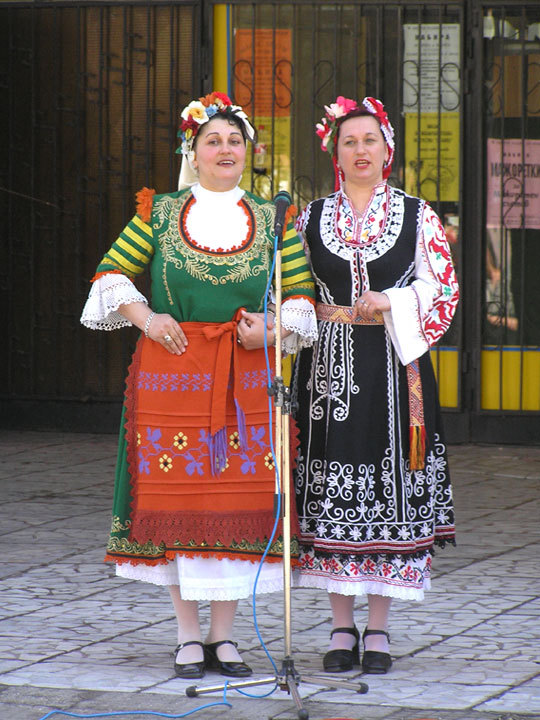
[(287, 680), (194, 691), (360, 687)]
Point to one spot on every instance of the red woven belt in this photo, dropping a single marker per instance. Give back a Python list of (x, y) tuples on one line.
[(344, 314)]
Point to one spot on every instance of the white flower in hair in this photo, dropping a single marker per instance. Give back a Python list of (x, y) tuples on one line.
[(196, 111), (335, 110)]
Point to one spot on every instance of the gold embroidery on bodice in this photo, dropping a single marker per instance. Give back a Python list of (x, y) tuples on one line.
[(218, 268)]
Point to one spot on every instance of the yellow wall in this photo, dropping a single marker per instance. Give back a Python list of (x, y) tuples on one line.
[(510, 378), (221, 61), (446, 365)]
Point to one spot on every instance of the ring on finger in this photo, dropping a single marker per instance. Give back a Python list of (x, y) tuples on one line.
[(167, 338)]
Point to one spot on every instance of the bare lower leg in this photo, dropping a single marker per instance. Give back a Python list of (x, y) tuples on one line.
[(222, 614), (187, 617), (378, 615), (342, 616)]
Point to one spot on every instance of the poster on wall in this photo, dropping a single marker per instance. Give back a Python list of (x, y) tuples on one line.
[(431, 108), (432, 156), (513, 184), (431, 62), (262, 86)]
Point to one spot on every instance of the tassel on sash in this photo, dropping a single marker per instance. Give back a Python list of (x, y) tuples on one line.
[(241, 420), (417, 430), (227, 359), (217, 447)]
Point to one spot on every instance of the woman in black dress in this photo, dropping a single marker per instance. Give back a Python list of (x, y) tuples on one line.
[(372, 481)]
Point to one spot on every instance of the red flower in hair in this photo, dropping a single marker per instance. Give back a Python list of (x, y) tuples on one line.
[(189, 123), (216, 98)]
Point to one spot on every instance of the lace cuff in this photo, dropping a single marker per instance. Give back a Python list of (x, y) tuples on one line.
[(107, 293), (298, 315)]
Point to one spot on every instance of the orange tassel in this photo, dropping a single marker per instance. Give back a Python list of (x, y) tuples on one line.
[(145, 199), (292, 212), (417, 446)]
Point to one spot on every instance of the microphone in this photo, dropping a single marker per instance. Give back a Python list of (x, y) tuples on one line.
[(282, 201)]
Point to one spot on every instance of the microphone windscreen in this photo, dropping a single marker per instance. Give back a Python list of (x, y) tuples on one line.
[(282, 201)]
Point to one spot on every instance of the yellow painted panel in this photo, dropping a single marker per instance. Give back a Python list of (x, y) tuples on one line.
[(511, 378), (446, 366), (221, 60)]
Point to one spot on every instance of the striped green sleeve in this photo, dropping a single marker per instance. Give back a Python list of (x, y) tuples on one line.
[(296, 275), (131, 252)]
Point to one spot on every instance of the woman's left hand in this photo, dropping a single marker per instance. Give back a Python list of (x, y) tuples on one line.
[(251, 330), (370, 304)]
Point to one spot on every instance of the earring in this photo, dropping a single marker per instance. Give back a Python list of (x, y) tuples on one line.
[(341, 176)]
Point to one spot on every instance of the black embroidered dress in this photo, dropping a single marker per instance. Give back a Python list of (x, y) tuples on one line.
[(368, 523)]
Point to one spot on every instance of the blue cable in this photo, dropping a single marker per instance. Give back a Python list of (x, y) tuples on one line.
[(141, 712)]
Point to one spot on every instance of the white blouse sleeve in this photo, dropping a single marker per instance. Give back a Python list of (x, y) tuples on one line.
[(106, 295), (298, 315), (421, 313)]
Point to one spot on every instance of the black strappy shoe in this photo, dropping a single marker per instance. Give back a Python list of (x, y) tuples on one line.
[(373, 661), (189, 670), (341, 660), (230, 669)]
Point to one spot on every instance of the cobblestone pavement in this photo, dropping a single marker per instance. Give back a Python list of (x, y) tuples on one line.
[(73, 637)]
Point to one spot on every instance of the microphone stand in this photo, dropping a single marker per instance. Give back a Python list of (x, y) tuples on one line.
[(288, 679)]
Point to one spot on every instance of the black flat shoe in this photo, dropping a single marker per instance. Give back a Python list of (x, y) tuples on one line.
[(373, 661), (336, 661), (189, 670), (230, 669)]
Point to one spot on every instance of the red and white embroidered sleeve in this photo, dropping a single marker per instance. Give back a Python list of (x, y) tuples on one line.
[(435, 266)]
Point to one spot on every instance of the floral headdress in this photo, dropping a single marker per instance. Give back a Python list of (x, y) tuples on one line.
[(200, 111), (338, 111)]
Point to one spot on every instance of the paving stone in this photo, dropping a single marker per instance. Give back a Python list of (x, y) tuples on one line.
[(75, 637)]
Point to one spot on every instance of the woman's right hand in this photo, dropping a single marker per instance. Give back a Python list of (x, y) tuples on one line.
[(251, 331), (166, 331), (370, 305), (157, 326)]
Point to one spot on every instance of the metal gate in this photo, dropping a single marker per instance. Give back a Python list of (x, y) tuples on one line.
[(91, 93), (459, 79), (504, 384)]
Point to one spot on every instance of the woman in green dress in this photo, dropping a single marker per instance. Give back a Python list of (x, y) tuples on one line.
[(195, 481)]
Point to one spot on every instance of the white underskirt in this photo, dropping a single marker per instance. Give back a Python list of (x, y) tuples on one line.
[(209, 578), (361, 587)]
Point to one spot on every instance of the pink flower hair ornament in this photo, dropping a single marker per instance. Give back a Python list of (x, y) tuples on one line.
[(344, 107)]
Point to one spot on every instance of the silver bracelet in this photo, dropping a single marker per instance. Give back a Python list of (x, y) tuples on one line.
[(147, 323)]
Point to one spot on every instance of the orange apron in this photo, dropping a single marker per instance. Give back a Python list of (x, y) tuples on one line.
[(199, 456)]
